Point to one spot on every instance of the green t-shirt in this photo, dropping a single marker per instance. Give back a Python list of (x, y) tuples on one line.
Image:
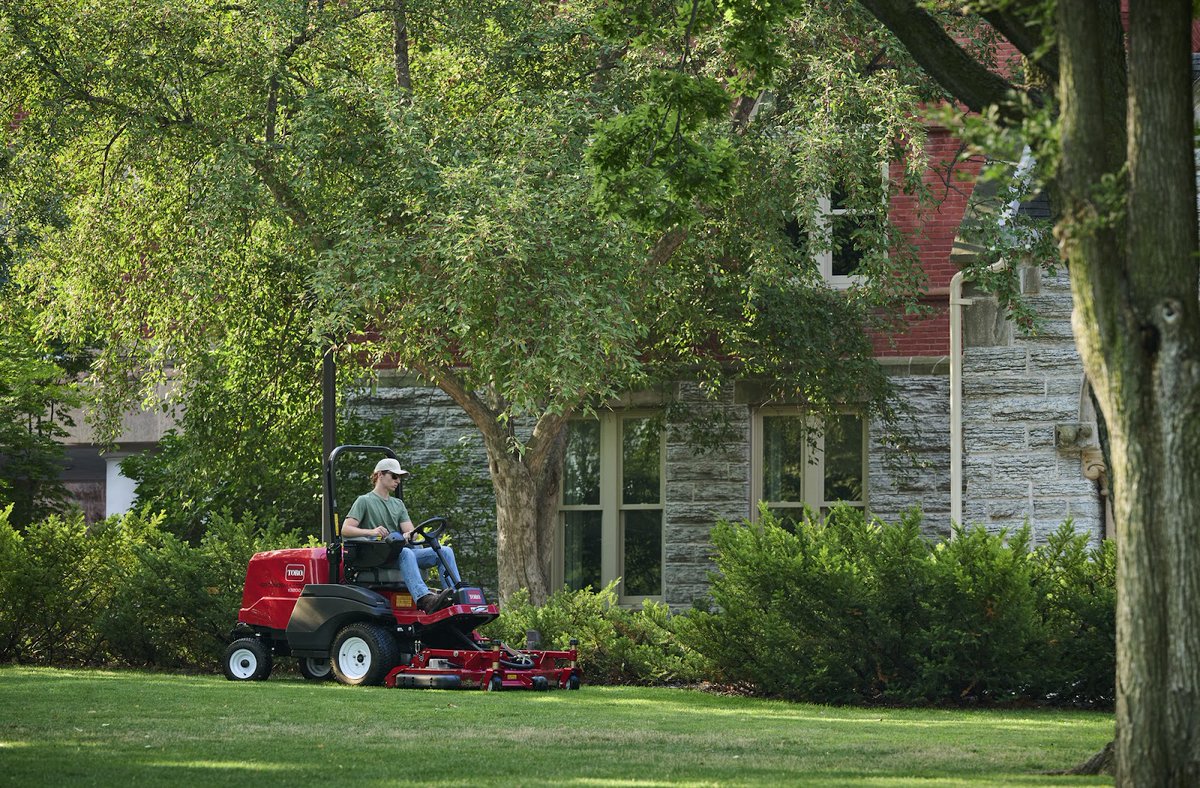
[(371, 511)]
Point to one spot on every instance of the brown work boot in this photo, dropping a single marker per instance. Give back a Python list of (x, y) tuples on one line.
[(431, 603)]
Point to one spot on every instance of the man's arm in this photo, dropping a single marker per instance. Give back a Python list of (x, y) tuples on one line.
[(351, 529)]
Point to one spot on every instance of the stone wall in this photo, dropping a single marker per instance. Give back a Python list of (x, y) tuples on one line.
[(1026, 423), (909, 466), (706, 483), (703, 486)]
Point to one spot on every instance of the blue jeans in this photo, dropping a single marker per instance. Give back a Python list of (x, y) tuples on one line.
[(415, 559)]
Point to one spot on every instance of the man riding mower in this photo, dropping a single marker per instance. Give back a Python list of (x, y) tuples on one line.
[(345, 611)]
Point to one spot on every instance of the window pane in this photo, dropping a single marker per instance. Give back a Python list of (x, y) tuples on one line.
[(641, 460), (581, 468), (783, 458), (581, 550), (844, 461), (643, 553), (847, 254), (838, 198), (789, 517)]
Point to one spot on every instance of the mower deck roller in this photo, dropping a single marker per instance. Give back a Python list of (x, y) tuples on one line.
[(343, 612)]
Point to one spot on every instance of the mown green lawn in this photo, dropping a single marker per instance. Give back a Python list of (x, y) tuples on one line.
[(93, 727)]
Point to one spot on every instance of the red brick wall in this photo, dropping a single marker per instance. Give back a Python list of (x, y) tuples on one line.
[(931, 228)]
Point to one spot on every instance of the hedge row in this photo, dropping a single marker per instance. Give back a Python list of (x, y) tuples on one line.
[(846, 610), (125, 591), (838, 611)]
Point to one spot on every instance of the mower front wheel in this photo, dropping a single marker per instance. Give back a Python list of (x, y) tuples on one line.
[(315, 668), (247, 659), (363, 653)]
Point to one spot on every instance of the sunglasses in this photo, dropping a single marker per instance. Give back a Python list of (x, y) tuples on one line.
[(396, 476)]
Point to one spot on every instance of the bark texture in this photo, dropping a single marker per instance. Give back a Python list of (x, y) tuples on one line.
[(525, 479), (1125, 197), (1128, 233)]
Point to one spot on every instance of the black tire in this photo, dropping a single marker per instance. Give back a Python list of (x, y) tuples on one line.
[(316, 668), (363, 653), (496, 684), (247, 659), (573, 682)]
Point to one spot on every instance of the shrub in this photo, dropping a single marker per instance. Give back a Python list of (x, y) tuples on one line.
[(822, 612), (616, 645), (982, 635), (846, 609), (125, 591), (1075, 596)]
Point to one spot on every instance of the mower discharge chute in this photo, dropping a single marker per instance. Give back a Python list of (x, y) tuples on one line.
[(344, 612)]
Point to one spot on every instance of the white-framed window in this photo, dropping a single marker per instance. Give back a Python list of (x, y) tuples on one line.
[(798, 461), (611, 515), (846, 234)]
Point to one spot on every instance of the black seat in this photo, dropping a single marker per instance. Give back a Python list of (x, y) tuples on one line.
[(366, 553), (370, 562)]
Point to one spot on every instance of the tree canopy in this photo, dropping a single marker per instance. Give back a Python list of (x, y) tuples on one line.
[(453, 189)]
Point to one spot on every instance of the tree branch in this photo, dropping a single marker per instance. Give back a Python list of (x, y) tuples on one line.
[(941, 57), (1027, 38), (400, 51)]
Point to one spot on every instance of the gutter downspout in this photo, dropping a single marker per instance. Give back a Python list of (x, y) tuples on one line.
[(957, 302)]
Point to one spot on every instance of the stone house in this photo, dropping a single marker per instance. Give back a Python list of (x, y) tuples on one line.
[(1003, 437), (639, 499)]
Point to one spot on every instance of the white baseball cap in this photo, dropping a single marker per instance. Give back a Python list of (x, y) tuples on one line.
[(391, 465)]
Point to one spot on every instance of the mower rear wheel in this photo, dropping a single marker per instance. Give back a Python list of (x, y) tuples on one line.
[(247, 659), (316, 668), (363, 653)]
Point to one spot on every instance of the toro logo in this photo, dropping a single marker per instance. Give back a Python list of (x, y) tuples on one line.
[(474, 597), (294, 573)]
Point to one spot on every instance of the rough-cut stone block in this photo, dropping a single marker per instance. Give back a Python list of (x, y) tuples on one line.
[(1061, 359), (1049, 332), (1011, 437), (1000, 384), (1067, 384), (994, 360), (1021, 408)]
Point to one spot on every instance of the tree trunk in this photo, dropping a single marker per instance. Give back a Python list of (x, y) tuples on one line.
[(525, 480), (519, 557), (1135, 281), (527, 491), (400, 59)]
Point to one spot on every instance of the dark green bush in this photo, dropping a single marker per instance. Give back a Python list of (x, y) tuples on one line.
[(982, 638), (822, 612), (616, 645), (846, 610), (126, 591), (1075, 596), (842, 610)]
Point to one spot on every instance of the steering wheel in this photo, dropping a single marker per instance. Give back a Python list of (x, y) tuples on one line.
[(427, 531)]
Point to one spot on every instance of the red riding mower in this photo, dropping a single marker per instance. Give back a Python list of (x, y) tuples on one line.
[(343, 611)]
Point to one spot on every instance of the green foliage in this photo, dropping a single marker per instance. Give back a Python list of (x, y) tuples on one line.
[(850, 610), (982, 638), (125, 591), (616, 645), (453, 487), (36, 395), (272, 474), (1075, 596), (449, 225)]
